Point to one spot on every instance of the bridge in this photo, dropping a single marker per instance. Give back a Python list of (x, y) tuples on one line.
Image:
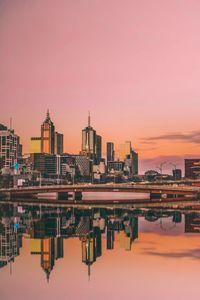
[(65, 192)]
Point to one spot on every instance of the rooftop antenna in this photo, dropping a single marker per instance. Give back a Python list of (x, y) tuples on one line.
[(89, 119), (89, 271), (11, 123), (48, 114)]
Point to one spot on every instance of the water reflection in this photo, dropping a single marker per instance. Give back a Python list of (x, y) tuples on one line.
[(47, 227)]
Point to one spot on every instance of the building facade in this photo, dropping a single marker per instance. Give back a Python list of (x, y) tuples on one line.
[(110, 152), (88, 141), (192, 168), (48, 136), (9, 147), (59, 140), (36, 145), (98, 150)]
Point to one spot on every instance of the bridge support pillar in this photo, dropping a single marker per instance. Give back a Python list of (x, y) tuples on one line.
[(62, 196), (154, 196), (163, 196), (77, 195)]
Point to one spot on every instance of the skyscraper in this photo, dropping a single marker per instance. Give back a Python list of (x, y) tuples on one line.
[(58, 143), (35, 145), (125, 149), (47, 135), (110, 151), (98, 149), (89, 140), (9, 146), (130, 158)]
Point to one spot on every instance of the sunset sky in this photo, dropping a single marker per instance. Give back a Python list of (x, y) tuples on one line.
[(134, 64)]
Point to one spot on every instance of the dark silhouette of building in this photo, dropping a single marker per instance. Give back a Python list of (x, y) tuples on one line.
[(192, 168), (110, 152)]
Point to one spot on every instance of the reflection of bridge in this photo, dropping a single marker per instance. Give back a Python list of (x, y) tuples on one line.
[(75, 191)]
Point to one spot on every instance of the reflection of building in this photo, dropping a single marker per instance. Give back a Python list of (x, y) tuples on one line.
[(50, 249), (48, 135), (192, 168), (134, 228), (124, 240), (47, 255), (98, 242), (88, 251), (59, 247), (110, 239), (35, 246), (192, 223), (8, 242)]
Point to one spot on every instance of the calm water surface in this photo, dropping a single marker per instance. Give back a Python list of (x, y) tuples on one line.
[(98, 253)]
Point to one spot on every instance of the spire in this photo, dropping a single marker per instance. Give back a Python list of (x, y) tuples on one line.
[(48, 119), (48, 115), (89, 119), (89, 271)]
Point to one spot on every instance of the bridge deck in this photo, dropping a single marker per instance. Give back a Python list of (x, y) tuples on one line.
[(138, 188)]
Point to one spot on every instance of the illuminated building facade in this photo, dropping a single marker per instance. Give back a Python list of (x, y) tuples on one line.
[(48, 135)]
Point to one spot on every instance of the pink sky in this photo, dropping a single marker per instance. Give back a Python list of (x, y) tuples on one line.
[(134, 64)]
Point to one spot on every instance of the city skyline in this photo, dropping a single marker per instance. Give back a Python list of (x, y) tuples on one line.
[(169, 162), (137, 71)]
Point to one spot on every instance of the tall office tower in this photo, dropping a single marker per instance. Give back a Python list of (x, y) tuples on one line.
[(89, 140), (110, 152), (98, 149), (47, 135), (58, 143), (9, 147), (19, 148), (130, 158), (36, 145), (125, 149), (135, 162)]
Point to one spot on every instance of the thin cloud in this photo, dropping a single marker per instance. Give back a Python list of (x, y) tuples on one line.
[(193, 254), (191, 137)]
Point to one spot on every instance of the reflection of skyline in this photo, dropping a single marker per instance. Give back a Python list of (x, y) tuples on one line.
[(48, 227)]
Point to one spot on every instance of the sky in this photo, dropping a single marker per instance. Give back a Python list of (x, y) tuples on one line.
[(134, 64)]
